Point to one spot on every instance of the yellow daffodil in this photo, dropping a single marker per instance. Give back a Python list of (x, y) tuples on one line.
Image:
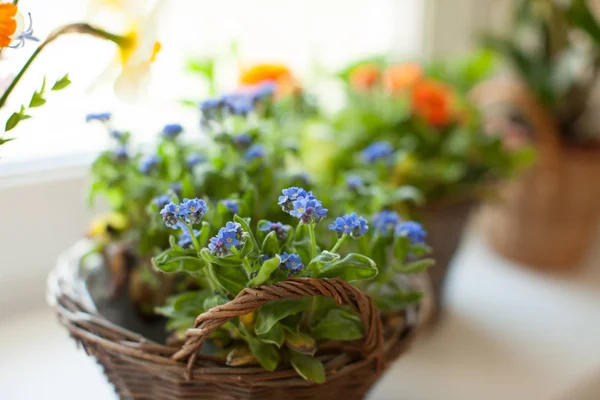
[(105, 226), (13, 31), (137, 51)]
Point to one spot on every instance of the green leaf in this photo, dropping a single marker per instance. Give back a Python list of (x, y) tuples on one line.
[(245, 223), (275, 311), (320, 260), (302, 243), (353, 267), (175, 260), (266, 354), (271, 244), (37, 100), (338, 325), (214, 301), (308, 367), (301, 342), (580, 15), (229, 261), (415, 267), (265, 271), (275, 335), (232, 279), (2, 140), (12, 121), (61, 83), (204, 233), (395, 302), (401, 247)]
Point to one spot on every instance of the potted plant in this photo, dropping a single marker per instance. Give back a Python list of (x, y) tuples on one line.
[(277, 308), (408, 140), (298, 306), (548, 218)]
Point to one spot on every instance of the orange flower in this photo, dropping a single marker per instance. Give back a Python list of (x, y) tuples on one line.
[(277, 73), (9, 16), (364, 77), (402, 77), (432, 101)]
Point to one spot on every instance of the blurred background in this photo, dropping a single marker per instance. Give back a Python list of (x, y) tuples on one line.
[(509, 332)]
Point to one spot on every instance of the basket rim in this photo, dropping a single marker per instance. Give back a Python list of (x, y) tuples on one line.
[(68, 295)]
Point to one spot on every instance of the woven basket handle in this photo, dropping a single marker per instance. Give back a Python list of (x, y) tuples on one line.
[(517, 94), (252, 299)]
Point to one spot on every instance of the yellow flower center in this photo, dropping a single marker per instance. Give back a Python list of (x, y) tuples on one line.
[(131, 43), (177, 209), (345, 226), (295, 195), (301, 209), (293, 263), (192, 208), (228, 240)]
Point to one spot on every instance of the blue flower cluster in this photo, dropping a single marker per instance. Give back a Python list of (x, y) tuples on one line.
[(232, 206), (302, 204), (413, 231), (388, 223), (121, 153), (190, 211), (117, 135), (229, 236), (102, 117), (171, 131), (162, 201), (242, 141), (354, 182), (254, 152), (276, 227), (194, 159), (147, 164), (240, 103), (263, 90), (385, 222), (185, 240), (350, 224), (377, 151), (292, 263)]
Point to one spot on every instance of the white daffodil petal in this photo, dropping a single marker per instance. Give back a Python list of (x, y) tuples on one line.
[(132, 82), (20, 25)]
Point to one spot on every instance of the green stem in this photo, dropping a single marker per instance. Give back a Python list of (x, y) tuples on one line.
[(247, 267), (212, 280), (313, 241), (339, 242), (82, 28), (190, 229)]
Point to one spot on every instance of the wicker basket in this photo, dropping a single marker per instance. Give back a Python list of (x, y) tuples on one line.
[(549, 216), (444, 223), (140, 368)]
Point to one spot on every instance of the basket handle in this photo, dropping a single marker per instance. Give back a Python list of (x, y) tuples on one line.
[(252, 299), (544, 126)]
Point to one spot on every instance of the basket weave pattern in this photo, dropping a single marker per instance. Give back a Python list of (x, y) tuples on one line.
[(142, 369)]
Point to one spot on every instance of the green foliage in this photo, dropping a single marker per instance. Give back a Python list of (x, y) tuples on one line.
[(555, 48), (308, 367), (37, 100), (275, 311), (338, 325)]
